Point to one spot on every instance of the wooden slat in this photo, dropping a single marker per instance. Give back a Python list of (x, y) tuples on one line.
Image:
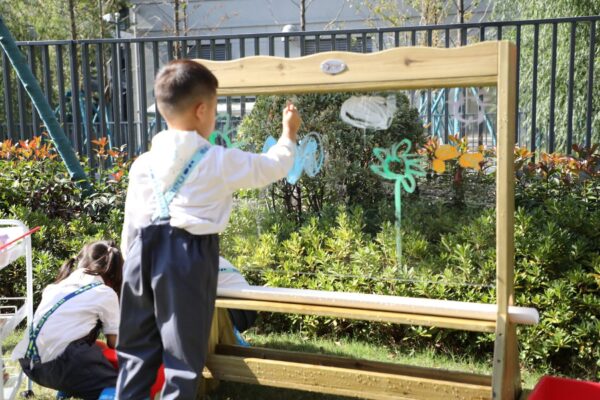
[(398, 68), (356, 364), (375, 302), (506, 374), (358, 314), (338, 381)]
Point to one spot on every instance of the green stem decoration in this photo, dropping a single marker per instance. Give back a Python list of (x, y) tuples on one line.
[(408, 168), (398, 204)]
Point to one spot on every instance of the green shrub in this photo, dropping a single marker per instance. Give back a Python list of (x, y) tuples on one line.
[(35, 188), (555, 175)]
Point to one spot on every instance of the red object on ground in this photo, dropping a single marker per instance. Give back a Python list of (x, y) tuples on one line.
[(111, 356), (159, 382), (554, 388)]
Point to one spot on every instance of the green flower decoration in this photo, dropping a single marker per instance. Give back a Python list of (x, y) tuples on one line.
[(224, 135), (410, 166)]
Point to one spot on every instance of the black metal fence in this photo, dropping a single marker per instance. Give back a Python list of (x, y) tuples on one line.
[(103, 88)]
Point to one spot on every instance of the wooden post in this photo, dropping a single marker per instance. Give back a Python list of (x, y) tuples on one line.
[(506, 382), (208, 385)]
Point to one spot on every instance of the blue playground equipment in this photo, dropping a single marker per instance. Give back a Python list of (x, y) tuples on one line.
[(440, 109), (95, 117)]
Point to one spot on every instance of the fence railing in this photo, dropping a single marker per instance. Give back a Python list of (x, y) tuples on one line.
[(103, 87)]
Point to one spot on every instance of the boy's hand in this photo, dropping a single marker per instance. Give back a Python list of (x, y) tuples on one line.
[(291, 122)]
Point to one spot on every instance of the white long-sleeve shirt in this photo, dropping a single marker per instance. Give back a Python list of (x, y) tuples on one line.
[(75, 318), (203, 204)]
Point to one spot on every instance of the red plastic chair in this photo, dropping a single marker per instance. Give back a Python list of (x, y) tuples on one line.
[(554, 388)]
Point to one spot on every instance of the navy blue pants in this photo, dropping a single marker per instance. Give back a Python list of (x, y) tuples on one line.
[(167, 305), (81, 371)]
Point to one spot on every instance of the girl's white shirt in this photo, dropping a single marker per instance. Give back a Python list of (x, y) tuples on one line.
[(203, 204), (75, 318), (229, 275)]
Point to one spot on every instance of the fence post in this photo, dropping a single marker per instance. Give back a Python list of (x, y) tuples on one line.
[(34, 90)]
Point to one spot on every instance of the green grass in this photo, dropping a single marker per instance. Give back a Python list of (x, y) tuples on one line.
[(343, 347)]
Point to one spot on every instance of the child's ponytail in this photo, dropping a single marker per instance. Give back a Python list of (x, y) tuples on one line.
[(66, 269), (102, 258), (113, 273)]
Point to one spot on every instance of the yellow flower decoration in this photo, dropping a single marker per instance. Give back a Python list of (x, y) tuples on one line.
[(438, 165), (471, 160), (447, 152)]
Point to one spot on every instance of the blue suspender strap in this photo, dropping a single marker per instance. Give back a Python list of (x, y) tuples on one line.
[(164, 199), (162, 212), (32, 350)]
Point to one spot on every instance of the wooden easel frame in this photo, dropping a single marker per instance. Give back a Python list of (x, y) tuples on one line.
[(483, 64)]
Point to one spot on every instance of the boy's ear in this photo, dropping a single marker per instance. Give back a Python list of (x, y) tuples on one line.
[(201, 109)]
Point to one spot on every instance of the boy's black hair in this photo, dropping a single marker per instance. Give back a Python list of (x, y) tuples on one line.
[(181, 83)]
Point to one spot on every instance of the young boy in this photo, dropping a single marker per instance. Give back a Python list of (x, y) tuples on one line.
[(179, 198)]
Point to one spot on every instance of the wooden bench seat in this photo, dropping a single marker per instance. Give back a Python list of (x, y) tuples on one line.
[(372, 307)]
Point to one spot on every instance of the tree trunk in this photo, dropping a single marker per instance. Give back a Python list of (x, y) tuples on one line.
[(101, 12), (461, 11), (176, 23), (74, 34), (72, 18), (185, 18), (297, 201), (461, 20), (302, 15)]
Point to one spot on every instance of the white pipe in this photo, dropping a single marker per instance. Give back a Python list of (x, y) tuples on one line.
[(412, 305)]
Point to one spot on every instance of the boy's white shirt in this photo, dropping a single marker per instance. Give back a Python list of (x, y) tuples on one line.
[(75, 318), (203, 204)]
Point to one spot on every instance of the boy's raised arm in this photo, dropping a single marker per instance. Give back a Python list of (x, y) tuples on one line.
[(291, 122), (249, 170)]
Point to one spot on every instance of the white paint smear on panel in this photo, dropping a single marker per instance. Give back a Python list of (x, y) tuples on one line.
[(369, 112)]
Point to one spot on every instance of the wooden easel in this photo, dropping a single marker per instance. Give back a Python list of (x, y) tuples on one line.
[(483, 64)]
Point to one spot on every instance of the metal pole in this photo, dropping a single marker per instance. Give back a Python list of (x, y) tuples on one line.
[(41, 104), (571, 88)]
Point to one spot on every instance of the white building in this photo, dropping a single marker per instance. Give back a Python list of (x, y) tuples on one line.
[(234, 17), (225, 20)]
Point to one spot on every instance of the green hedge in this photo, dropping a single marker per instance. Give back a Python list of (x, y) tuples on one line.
[(39, 192)]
